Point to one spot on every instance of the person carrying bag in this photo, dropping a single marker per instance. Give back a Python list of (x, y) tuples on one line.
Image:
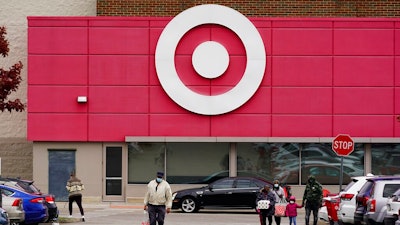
[(281, 203), (265, 205)]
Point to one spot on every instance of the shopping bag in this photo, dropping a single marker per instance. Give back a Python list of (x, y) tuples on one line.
[(263, 204), (280, 209), (145, 220)]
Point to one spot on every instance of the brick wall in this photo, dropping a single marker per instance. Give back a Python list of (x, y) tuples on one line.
[(256, 8)]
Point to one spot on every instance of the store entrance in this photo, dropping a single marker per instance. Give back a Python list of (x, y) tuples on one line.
[(113, 171)]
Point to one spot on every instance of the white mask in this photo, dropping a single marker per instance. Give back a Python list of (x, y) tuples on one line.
[(276, 185), (158, 180), (291, 202)]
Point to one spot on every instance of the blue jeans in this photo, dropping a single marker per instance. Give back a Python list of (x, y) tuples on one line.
[(292, 220), (156, 214)]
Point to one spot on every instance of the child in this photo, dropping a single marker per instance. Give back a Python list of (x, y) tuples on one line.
[(291, 210)]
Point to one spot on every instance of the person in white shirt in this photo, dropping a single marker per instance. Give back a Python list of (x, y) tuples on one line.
[(279, 196), (158, 199)]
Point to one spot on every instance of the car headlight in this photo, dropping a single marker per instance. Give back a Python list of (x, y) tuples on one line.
[(174, 195)]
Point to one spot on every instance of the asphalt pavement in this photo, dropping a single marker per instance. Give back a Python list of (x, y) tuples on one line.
[(121, 213)]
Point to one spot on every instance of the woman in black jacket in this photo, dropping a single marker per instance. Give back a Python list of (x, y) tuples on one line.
[(266, 194)]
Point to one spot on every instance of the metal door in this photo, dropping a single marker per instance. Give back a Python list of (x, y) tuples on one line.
[(61, 163)]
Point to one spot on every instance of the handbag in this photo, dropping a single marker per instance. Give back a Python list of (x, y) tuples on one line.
[(280, 208), (145, 220), (263, 204)]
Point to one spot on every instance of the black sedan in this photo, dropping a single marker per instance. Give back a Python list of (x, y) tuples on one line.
[(230, 192)]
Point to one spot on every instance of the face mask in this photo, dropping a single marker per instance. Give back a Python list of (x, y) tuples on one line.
[(158, 180), (276, 185), (291, 202)]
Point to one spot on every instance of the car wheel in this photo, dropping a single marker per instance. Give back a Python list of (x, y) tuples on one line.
[(188, 205)]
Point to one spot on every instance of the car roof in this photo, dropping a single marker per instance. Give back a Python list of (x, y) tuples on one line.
[(378, 178)]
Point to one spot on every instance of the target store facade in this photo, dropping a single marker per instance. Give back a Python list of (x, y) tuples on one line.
[(206, 94)]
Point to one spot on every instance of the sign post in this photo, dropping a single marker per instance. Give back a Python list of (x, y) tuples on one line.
[(342, 145)]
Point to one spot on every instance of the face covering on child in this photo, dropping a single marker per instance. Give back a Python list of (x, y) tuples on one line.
[(291, 202)]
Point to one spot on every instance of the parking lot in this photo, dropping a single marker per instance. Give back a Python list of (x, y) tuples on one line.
[(114, 213)]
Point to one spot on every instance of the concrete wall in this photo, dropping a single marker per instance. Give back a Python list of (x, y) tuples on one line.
[(89, 166), (14, 148)]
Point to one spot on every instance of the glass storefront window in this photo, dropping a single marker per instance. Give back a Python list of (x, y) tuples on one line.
[(203, 163), (385, 159), (268, 160), (197, 162), (144, 160), (321, 161), (184, 162)]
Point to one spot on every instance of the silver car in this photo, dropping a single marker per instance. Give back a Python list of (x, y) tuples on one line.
[(382, 188), (14, 209)]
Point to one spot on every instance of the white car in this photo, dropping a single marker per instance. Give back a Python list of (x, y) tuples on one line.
[(14, 209), (393, 207), (347, 204)]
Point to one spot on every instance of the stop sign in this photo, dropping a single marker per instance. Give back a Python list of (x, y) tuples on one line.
[(343, 145)]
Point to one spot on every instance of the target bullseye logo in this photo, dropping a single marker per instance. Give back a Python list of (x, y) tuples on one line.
[(210, 59)]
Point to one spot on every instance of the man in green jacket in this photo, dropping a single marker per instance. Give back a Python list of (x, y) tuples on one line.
[(312, 199)]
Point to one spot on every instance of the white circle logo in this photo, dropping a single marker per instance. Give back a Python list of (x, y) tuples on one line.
[(210, 59)]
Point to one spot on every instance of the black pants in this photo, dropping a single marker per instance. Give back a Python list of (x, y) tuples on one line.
[(264, 214), (156, 214), (78, 200), (312, 207)]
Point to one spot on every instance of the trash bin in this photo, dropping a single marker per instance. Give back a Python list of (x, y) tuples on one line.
[(332, 206)]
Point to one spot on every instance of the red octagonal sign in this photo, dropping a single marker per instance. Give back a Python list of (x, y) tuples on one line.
[(343, 145)]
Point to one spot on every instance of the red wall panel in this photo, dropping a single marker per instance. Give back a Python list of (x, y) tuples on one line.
[(57, 40), (57, 126), (61, 99), (302, 71), (302, 126), (114, 127), (118, 70), (302, 100), (291, 41), (322, 77), (118, 99), (241, 125), (364, 125), (118, 40), (363, 101), (363, 71), (45, 69), (179, 125), (363, 42)]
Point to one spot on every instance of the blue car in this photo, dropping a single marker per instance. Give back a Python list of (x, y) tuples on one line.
[(34, 207), (4, 217)]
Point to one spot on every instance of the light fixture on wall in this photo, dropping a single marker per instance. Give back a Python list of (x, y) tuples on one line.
[(82, 99)]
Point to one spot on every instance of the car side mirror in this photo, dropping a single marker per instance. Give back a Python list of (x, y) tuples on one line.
[(210, 188)]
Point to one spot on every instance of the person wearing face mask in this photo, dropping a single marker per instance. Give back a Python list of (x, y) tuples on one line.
[(312, 199), (279, 196), (158, 199), (291, 210)]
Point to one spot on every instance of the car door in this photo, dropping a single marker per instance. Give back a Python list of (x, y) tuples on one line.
[(244, 193), (219, 193)]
